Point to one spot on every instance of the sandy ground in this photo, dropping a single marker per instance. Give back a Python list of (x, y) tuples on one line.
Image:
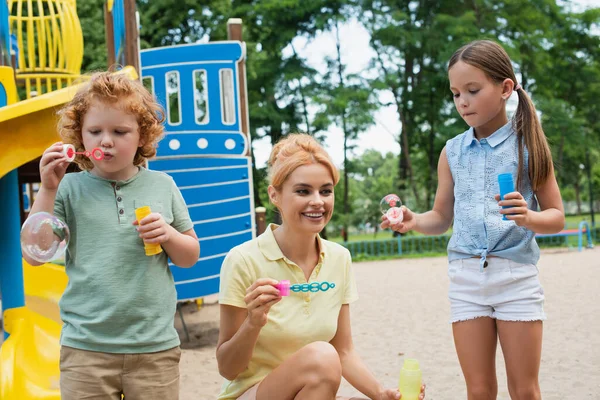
[(410, 320)]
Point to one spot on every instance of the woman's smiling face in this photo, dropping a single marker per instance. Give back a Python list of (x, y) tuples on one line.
[(306, 198)]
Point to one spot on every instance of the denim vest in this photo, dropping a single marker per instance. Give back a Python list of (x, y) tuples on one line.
[(479, 229)]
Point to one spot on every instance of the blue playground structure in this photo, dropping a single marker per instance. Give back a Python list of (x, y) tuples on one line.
[(204, 150)]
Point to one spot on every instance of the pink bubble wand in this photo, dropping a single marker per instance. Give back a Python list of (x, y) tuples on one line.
[(70, 153), (285, 287)]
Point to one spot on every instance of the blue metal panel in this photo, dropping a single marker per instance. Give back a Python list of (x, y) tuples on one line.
[(172, 165), (226, 51), (215, 193), (5, 42), (185, 178), (219, 209), (204, 268), (118, 13), (224, 226), (207, 159), (189, 290), (221, 245), (188, 142), (3, 96), (11, 267)]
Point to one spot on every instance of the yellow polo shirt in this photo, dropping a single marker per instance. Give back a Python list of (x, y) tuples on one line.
[(295, 321)]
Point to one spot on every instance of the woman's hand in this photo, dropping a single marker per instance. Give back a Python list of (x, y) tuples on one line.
[(408, 222), (394, 394), (519, 212), (260, 297), (53, 166)]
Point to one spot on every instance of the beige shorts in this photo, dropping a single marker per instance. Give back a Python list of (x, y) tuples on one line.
[(93, 375)]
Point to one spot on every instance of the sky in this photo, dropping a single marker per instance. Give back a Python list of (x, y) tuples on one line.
[(356, 53)]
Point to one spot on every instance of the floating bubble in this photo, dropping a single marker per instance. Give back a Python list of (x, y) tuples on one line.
[(391, 207), (44, 237)]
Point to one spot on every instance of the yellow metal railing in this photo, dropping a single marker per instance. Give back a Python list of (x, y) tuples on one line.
[(50, 43)]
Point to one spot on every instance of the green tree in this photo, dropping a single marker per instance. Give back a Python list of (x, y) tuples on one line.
[(346, 101)]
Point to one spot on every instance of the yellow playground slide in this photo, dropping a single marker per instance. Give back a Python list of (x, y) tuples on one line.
[(29, 357)]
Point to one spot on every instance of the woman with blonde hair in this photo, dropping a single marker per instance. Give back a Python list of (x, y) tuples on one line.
[(301, 346)]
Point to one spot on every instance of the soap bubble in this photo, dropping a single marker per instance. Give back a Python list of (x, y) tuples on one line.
[(44, 237), (391, 207)]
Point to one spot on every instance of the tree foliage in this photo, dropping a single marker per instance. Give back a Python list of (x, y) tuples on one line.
[(555, 52)]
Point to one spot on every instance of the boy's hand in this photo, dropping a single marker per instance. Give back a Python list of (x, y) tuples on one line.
[(519, 212), (408, 222), (154, 229), (53, 166)]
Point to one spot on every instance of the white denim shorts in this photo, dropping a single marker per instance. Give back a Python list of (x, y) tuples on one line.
[(504, 290)]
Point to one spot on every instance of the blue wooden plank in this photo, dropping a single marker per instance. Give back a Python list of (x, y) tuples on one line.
[(223, 226), (211, 247), (214, 193), (194, 290), (183, 144), (219, 210), (209, 177), (202, 269), (196, 162), (215, 51)]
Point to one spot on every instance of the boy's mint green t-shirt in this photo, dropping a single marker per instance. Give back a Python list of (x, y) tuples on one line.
[(118, 300)]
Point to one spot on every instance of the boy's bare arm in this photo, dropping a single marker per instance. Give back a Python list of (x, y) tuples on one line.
[(183, 248)]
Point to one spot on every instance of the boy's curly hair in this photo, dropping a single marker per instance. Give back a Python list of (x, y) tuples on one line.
[(112, 88)]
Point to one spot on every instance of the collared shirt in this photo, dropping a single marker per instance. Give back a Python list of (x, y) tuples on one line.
[(295, 321), (118, 300), (479, 229)]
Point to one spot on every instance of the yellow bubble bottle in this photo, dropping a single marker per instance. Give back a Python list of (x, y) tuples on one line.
[(410, 380), (150, 248)]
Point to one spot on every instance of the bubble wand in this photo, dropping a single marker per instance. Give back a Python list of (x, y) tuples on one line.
[(70, 153), (285, 287), (391, 207)]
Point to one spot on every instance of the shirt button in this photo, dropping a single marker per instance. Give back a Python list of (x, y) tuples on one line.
[(121, 211), (118, 187), (119, 198)]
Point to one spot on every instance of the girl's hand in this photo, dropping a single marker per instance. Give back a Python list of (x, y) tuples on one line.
[(408, 222), (154, 229), (394, 394), (518, 212), (53, 166), (260, 297)]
